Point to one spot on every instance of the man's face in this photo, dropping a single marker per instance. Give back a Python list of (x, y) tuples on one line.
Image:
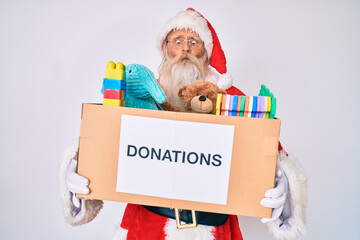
[(185, 61), (176, 44)]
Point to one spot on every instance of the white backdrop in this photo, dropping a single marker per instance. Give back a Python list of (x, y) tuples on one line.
[(53, 56)]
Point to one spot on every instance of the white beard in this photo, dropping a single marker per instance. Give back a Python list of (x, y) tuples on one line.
[(177, 73)]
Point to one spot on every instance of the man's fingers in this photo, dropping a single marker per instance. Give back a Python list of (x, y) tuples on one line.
[(77, 184), (76, 201), (76, 189), (273, 202), (72, 166), (73, 155), (275, 198), (74, 182), (76, 179), (266, 220), (277, 191), (275, 215)]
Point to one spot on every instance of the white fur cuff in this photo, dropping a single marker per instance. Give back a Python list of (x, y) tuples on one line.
[(89, 208), (120, 234), (200, 232), (298, 193)]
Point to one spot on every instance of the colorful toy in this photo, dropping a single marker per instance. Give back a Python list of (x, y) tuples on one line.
[(235, 103), (223, 105), (218, 104), (264, 91), (131, 86), (262, 106), (114, 85)]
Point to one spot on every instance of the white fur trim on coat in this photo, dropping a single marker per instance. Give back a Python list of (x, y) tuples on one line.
[(89, 208), (120, 233), (188, 20), (298, 193), (200, 232)]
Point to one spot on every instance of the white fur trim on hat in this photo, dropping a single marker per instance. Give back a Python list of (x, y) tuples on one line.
[(188, 20), (223, 81)]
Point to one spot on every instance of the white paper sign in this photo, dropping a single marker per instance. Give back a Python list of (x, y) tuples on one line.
[(174, 159)]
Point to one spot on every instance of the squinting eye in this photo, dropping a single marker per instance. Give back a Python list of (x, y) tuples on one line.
[(177, 41), (193, 42)]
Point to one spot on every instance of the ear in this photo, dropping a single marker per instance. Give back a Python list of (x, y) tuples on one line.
[(181, 90), (163, 49)]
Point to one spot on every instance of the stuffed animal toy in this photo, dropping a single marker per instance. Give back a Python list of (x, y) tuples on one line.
[(200, 96), (142, 89)]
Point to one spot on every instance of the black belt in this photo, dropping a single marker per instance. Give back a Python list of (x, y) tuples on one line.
[(204, 218)]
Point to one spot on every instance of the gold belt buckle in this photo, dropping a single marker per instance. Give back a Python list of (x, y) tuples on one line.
[(188, 225)]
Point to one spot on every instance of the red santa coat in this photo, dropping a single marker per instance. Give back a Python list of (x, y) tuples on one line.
[(141, 223)]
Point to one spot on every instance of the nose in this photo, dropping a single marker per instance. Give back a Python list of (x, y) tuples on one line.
[(186, 46), (202, 98)]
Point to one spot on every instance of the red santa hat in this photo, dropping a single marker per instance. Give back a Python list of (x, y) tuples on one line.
[(194, 21)]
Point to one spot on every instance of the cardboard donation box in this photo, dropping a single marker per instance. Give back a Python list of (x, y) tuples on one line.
[(202, 162)]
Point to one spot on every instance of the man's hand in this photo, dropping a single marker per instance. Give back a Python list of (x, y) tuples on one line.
[(74, 182), (276, 198)]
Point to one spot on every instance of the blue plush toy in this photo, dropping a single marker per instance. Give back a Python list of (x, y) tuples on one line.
[(142, 89)]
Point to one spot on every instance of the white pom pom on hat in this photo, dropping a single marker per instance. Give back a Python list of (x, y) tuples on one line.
[(192, 20)]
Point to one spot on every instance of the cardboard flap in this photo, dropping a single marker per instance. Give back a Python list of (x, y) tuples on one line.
[(271, 144)]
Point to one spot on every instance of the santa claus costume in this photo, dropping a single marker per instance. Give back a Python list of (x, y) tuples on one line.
[(140, 223)]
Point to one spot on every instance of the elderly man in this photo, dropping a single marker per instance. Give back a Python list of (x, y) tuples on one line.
[(191, 52)]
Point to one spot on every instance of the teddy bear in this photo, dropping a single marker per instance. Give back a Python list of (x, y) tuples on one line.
[(199, 97)]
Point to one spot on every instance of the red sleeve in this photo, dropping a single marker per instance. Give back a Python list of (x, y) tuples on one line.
[(235, 91)]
